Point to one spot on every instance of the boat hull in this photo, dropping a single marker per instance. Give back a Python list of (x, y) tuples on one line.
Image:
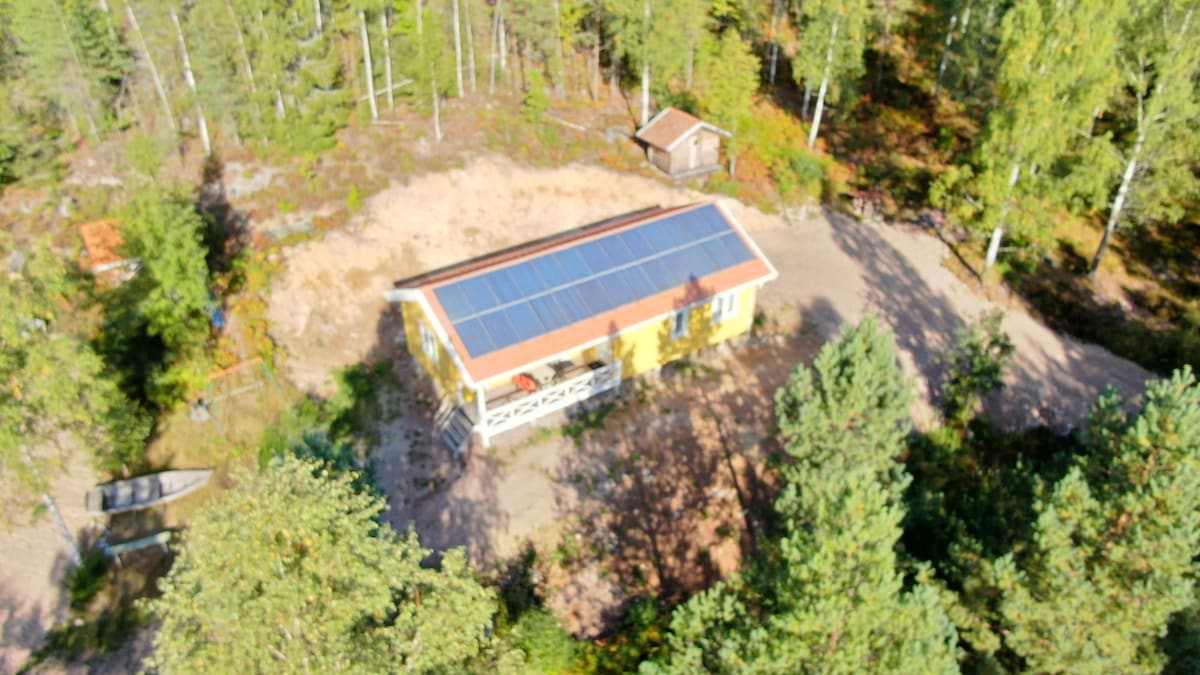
[(143, 492)]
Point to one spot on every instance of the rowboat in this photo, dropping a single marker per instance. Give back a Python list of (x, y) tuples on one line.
[(145, 491)]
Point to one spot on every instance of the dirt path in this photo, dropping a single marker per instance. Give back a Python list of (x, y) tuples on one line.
[(834, 269)]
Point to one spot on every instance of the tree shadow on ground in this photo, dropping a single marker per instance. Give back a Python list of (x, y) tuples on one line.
[(922, 320), (450, 502), (676, 489), (227, 231), (1065, 299)]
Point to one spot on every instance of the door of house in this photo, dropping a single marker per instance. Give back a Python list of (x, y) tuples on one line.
[(604, 351), (694, 151)]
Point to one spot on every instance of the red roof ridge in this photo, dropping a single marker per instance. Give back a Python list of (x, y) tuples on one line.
[(462, 270)]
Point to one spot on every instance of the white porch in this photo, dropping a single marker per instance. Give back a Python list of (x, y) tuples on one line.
[(509, 407)]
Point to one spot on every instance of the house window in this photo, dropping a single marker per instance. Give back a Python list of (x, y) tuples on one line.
[(429, 343), (724, 306), (679, 324)]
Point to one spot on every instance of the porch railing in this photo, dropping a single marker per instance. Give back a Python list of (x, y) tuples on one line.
[(549, 399)]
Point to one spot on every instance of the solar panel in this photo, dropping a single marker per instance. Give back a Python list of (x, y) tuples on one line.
[(512, 304)]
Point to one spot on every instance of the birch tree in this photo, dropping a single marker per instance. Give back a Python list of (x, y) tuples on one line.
[(832, 39), (1058, 65), (190, 78), (1160, 69), (57, 395)]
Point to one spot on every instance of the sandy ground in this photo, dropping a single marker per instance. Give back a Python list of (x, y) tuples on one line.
[(32, 569), (326, 305), (667, 527)]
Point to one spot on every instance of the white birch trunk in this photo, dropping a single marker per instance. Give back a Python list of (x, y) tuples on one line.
[(317, 15), (470, 47), (816, 125), (81, 87), (369, 72), (458, 66), (241, 40), (1118, 205), (560, 61), (646, 67), (937, 84), (493, 55), (993, 250), (158, 85), (387, 60), (191, 83), (645, 93), (437, 112), (774, 41)]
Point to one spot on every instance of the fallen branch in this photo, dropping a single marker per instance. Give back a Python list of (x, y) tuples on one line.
[(565, 123), (385, 90)]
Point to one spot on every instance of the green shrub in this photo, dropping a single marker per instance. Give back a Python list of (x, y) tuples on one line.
[(87, 580), (547, 645), (354, 200), (535, 101), (975, 368)]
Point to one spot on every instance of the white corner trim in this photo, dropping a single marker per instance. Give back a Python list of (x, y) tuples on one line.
[(693, 129), (414, 295)]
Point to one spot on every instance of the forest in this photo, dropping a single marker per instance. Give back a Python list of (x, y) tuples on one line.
[(1052, 146)]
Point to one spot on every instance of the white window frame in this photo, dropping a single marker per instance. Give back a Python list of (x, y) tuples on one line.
[(724, 306), (679, 323), (429, 343)]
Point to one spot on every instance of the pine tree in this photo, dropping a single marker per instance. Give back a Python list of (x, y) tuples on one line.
[(157, 323), (1115, 542), (837, 601), (291, 568)]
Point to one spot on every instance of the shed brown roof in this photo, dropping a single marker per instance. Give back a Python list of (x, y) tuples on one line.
[(536, 349), (670, 126), (102, 240)]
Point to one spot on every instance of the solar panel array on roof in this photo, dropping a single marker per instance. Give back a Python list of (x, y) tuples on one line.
[(496, 309)]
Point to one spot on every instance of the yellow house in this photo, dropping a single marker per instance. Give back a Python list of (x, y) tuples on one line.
[(519, 334)]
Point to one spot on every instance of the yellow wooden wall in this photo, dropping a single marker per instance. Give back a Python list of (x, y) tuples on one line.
[(444, 372), (651, 346), (642, 349)]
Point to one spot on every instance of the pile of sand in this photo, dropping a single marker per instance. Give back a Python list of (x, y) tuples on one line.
[(327, 305)]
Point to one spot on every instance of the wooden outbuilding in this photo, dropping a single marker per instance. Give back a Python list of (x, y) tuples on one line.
[(682, 145)]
